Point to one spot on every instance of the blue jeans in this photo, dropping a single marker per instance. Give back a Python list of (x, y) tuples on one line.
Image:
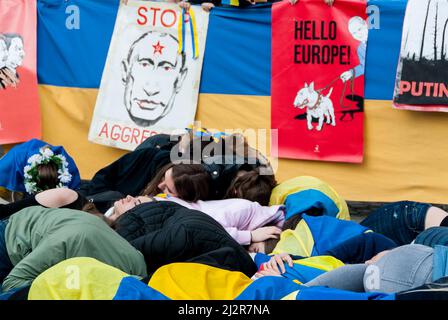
[(5, 264), (400, 221), (435, 236)]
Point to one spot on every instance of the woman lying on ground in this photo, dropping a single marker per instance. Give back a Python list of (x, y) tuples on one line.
[(36, 238), (184, 184), (391, 271), (130, 174), (189, 181), (399, 222), (166, 232)]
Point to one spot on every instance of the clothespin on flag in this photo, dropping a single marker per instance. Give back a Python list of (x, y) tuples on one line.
[(193, 31)]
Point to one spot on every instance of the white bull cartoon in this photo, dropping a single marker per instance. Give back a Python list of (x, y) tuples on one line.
[(317, 106)]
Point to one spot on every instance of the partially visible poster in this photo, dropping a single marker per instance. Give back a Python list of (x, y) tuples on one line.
[(317, 87), (151, 79), (422, 75), (19, 102)]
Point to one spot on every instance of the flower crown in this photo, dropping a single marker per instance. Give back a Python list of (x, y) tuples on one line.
[(45, 156)]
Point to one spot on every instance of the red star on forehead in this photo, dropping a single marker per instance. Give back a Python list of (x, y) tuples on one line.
[(158, 48)]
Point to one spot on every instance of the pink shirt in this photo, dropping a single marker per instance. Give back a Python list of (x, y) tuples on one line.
[(238, 216)]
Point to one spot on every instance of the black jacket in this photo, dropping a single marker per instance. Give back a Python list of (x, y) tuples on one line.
[(166, 232), (223, 169), (128, 175)]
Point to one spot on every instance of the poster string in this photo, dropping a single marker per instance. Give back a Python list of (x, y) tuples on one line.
[(193, 32)]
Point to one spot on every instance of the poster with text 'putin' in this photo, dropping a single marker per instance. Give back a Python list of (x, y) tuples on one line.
[(151, 79), (422, 73), (19, 100), (317, 87)]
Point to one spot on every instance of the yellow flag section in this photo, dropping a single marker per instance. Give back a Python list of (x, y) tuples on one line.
[(298, 242), (307, 183), (208, 283), (77, 279), (405, 154)]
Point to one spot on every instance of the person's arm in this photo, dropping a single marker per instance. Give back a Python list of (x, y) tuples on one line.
[(360, 248), (263, 215), (243, 237), (47, 253)]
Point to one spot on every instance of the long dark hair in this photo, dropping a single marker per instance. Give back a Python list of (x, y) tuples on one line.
[(252, 186), (47, 176), (192, 182)]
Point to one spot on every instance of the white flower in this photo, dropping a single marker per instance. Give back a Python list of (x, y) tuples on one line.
[(65, 177), (60, 156), (46, 153), (35, 159), (30, 187)]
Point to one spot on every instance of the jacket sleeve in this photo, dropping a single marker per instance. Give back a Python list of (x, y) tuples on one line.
[(360, 248), (261, 216), (243, 237), (45, 255)]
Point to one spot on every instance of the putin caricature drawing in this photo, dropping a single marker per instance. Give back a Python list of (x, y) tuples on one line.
[(152, 74)]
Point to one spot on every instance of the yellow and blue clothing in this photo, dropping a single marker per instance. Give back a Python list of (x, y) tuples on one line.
[(315, 235), (303, 193), (186, 281)]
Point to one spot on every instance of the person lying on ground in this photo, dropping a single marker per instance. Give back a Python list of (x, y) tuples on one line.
[(36, 238), (403, 221), (130, 174), (358, 249), (245, 221), (392, 271), (166, 232), (397, 268), (226, 157), (35, 165)]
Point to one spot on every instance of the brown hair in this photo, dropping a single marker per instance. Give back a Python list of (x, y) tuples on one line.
[(192, 182), (252, 186), (90, 207), (48, 176)]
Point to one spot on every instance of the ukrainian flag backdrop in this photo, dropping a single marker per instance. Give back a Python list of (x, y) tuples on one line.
[(405, 152)]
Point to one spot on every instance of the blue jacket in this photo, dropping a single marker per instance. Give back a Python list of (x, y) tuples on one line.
[(13, 163)]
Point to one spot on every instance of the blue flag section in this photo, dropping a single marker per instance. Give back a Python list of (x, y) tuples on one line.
[(237, 57), (71, 54)]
